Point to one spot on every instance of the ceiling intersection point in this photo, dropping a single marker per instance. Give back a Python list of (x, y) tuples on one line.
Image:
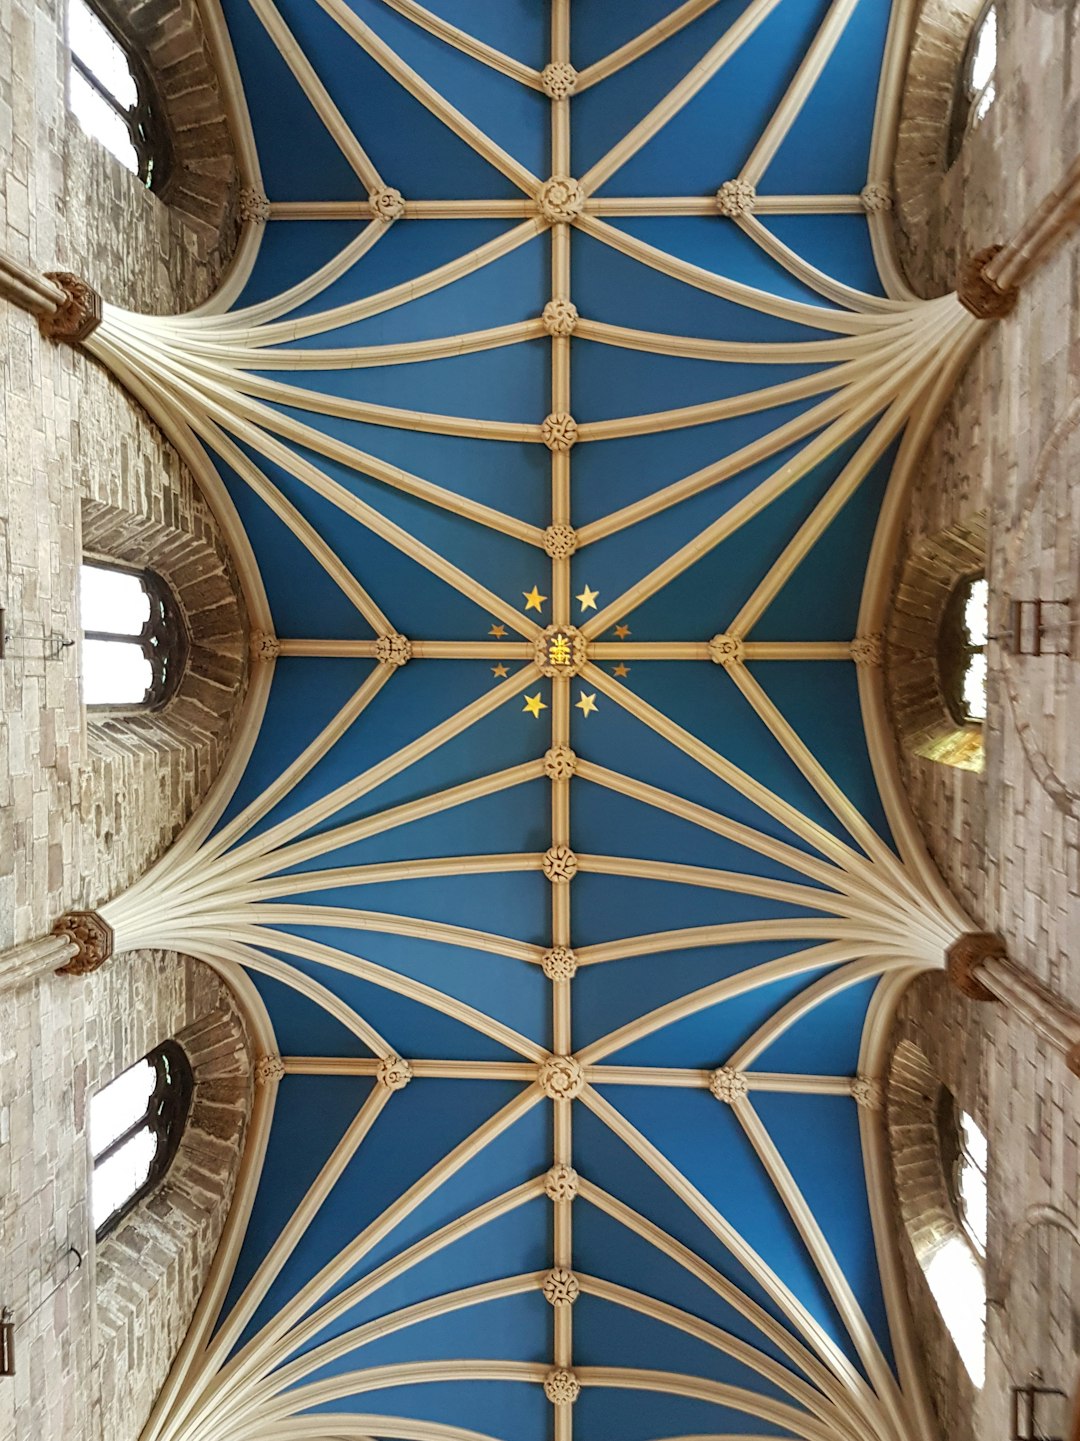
[(728, 1085), (561, 1287), (264, 645), (559, 80), (560, 541), (560, 316), (561, 1078), (561, 199), (868, 650), (868, 1092), (726, 650), (561, 650), (253, 206), (876, 198), (268, 1069), (560, 763), (562, 1387), (393, 650), (387, 203), (735, 198), (561, 1184), (559, 430), (560, 964), (560, 865), (394, 1073)]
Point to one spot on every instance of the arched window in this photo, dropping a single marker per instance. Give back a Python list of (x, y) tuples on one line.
[(134, 641), (977, 88), (962, 650), (955, 1272), (110, 95), (136, 1122)]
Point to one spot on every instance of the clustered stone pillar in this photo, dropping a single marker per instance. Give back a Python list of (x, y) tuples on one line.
[(81, 942), (979, 968), (66, 307)]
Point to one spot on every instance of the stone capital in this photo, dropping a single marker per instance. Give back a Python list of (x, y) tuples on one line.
[(978, 293), (963, 958), (80, 313), (94, 937)]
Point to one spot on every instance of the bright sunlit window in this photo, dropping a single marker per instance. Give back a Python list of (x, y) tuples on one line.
[(133, 640), (982, 65), (106, 94), (955, 1273), (962, 650), (135, 1126)]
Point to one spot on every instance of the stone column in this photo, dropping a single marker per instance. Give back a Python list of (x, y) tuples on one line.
[(81, 942), (979, 968), (66, 307)]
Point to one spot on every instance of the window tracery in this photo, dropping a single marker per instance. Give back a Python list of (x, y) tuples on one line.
[(110, 94), (136, 1122), (962, 650), (977, 87), (134, 641)]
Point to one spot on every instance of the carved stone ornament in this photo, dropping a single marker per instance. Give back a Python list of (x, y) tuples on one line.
[(726, 650), (92, 935), (981, 296), (253, 206), (868, 649), (728, 1085), (560, 763), (559, 431), (560, 650), (868, 1092), (267, 1069), (394, 1073), (560, 316), (559, 80), (387, 204), (78, 315), (735, 198), (560, 541), (393, 650), (561, 1183), (561, 199), (559, 964), (264, 646), (561, 1287), (562, 1387), (560, 865), (561, 1078), (964, 957), (876, 198)]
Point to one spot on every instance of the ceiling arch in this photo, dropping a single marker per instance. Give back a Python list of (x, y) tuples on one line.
[(562, 385)]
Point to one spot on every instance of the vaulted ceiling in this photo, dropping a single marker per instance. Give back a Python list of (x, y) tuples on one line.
[(559, 409)]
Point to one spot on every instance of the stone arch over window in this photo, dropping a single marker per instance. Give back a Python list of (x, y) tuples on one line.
[(149, 1271), (167, 41), (918, 687), (925, 1136), (170, 753), (933, 124)]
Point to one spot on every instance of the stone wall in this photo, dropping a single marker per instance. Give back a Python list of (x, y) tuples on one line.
[(74, 828), (1007, 840)]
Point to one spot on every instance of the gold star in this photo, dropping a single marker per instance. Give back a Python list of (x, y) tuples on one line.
[(533, 599), (500, 670), (587, 704), (622, 671), (588, 598), (622, 631), (534, 705), (498, 631)]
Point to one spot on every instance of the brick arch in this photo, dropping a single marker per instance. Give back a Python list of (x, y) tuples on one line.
[(924, 182), (148, 1274), (179, 747), (922, 1194), (931, 572), (202, 184)]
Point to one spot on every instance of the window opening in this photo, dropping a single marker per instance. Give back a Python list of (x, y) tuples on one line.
[(110, 94), (136, 1122), (955, 1272), (962, 650), (134, 644), (977, 89)]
